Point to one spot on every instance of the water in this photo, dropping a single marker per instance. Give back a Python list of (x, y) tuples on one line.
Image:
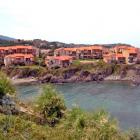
[(120, 99)]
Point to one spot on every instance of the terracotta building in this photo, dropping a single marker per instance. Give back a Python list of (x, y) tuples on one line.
[(18, 59), (90, 52), (58, 61), (6, 51), (122, 55)]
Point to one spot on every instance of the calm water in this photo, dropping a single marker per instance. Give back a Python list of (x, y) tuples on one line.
[(120, 99)]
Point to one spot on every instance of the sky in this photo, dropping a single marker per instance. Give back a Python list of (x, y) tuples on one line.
[(72, 21)]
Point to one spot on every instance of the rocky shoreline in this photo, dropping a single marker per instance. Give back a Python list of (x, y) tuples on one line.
[(74, 79), (88, 73), (29, 80)]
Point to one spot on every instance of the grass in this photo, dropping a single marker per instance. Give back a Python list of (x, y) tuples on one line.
[(6, 86), (73, 124)]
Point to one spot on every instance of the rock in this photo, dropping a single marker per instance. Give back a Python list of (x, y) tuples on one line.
[(84, 73), (46, 78), (94, 77), (123, 74), (56, 79), (136, 81), (69, 73), (137, 71), (8, 106), (100, 77), (72, 79), (87, 79)]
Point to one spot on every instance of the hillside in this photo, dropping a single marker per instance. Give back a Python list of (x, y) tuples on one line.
[(6, 38), (43, 44)]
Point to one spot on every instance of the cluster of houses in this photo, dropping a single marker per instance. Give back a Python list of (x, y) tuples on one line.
[(121, 54), (17, 55), (63, 57)]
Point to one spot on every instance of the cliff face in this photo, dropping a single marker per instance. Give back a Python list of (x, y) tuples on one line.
[(82, 73)]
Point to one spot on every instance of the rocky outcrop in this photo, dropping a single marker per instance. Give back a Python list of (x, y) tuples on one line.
[(69, 73), (8, 106), (46, 78), (56, 79), (78, 74), (71, 76)]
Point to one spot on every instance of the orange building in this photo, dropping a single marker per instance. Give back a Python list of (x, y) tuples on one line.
[(88, 52), (122, 54), (5, 51), (18, 59), (58, 61)]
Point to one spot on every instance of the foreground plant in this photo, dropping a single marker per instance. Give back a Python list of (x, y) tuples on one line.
[(76, 124), (6, 86), (50, 105)]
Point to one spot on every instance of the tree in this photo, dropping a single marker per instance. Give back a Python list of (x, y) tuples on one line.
[(50, 105), (6, 86)]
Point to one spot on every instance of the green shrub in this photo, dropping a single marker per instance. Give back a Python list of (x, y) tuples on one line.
[(6, 86), (81, 125), (50, 105), (76, 63), (134, 134), (15, 128)]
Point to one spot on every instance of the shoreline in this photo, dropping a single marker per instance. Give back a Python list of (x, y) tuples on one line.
[(32, 80), (29, 80)]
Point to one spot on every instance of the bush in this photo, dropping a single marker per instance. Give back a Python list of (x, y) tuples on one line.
[(5, 85), (15, 128), (50, 105), (80, 125), (134, 134)]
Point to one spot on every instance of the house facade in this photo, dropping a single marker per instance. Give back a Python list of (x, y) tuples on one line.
[(122, 55), (10, 51), (89, 52), (18, 59), (58, 61)]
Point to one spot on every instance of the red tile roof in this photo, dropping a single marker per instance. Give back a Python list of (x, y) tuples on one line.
[(118, 55), (132, 50), (20, 55), (62, 58), (80, 48), (16, 47)]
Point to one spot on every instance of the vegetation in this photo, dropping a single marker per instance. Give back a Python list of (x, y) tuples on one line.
[(15, 128), (95, 67), (24, 71), (50, 105), (62, 123), (5, 85)]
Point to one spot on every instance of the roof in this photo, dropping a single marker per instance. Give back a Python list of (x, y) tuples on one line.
[(19, 56), (16, 47), (132, 50), (81, 48), (62, 58), (70, 49), (118, 55)]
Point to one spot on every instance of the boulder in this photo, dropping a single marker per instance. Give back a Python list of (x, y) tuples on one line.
[(46, 78), (84, 73), (69, 73), (72, 79), (94, 77), (136, 81), (56, 79), (100, 77), (8, 106)]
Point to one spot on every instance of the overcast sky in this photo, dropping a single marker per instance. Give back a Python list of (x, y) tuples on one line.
[(77, 21)]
